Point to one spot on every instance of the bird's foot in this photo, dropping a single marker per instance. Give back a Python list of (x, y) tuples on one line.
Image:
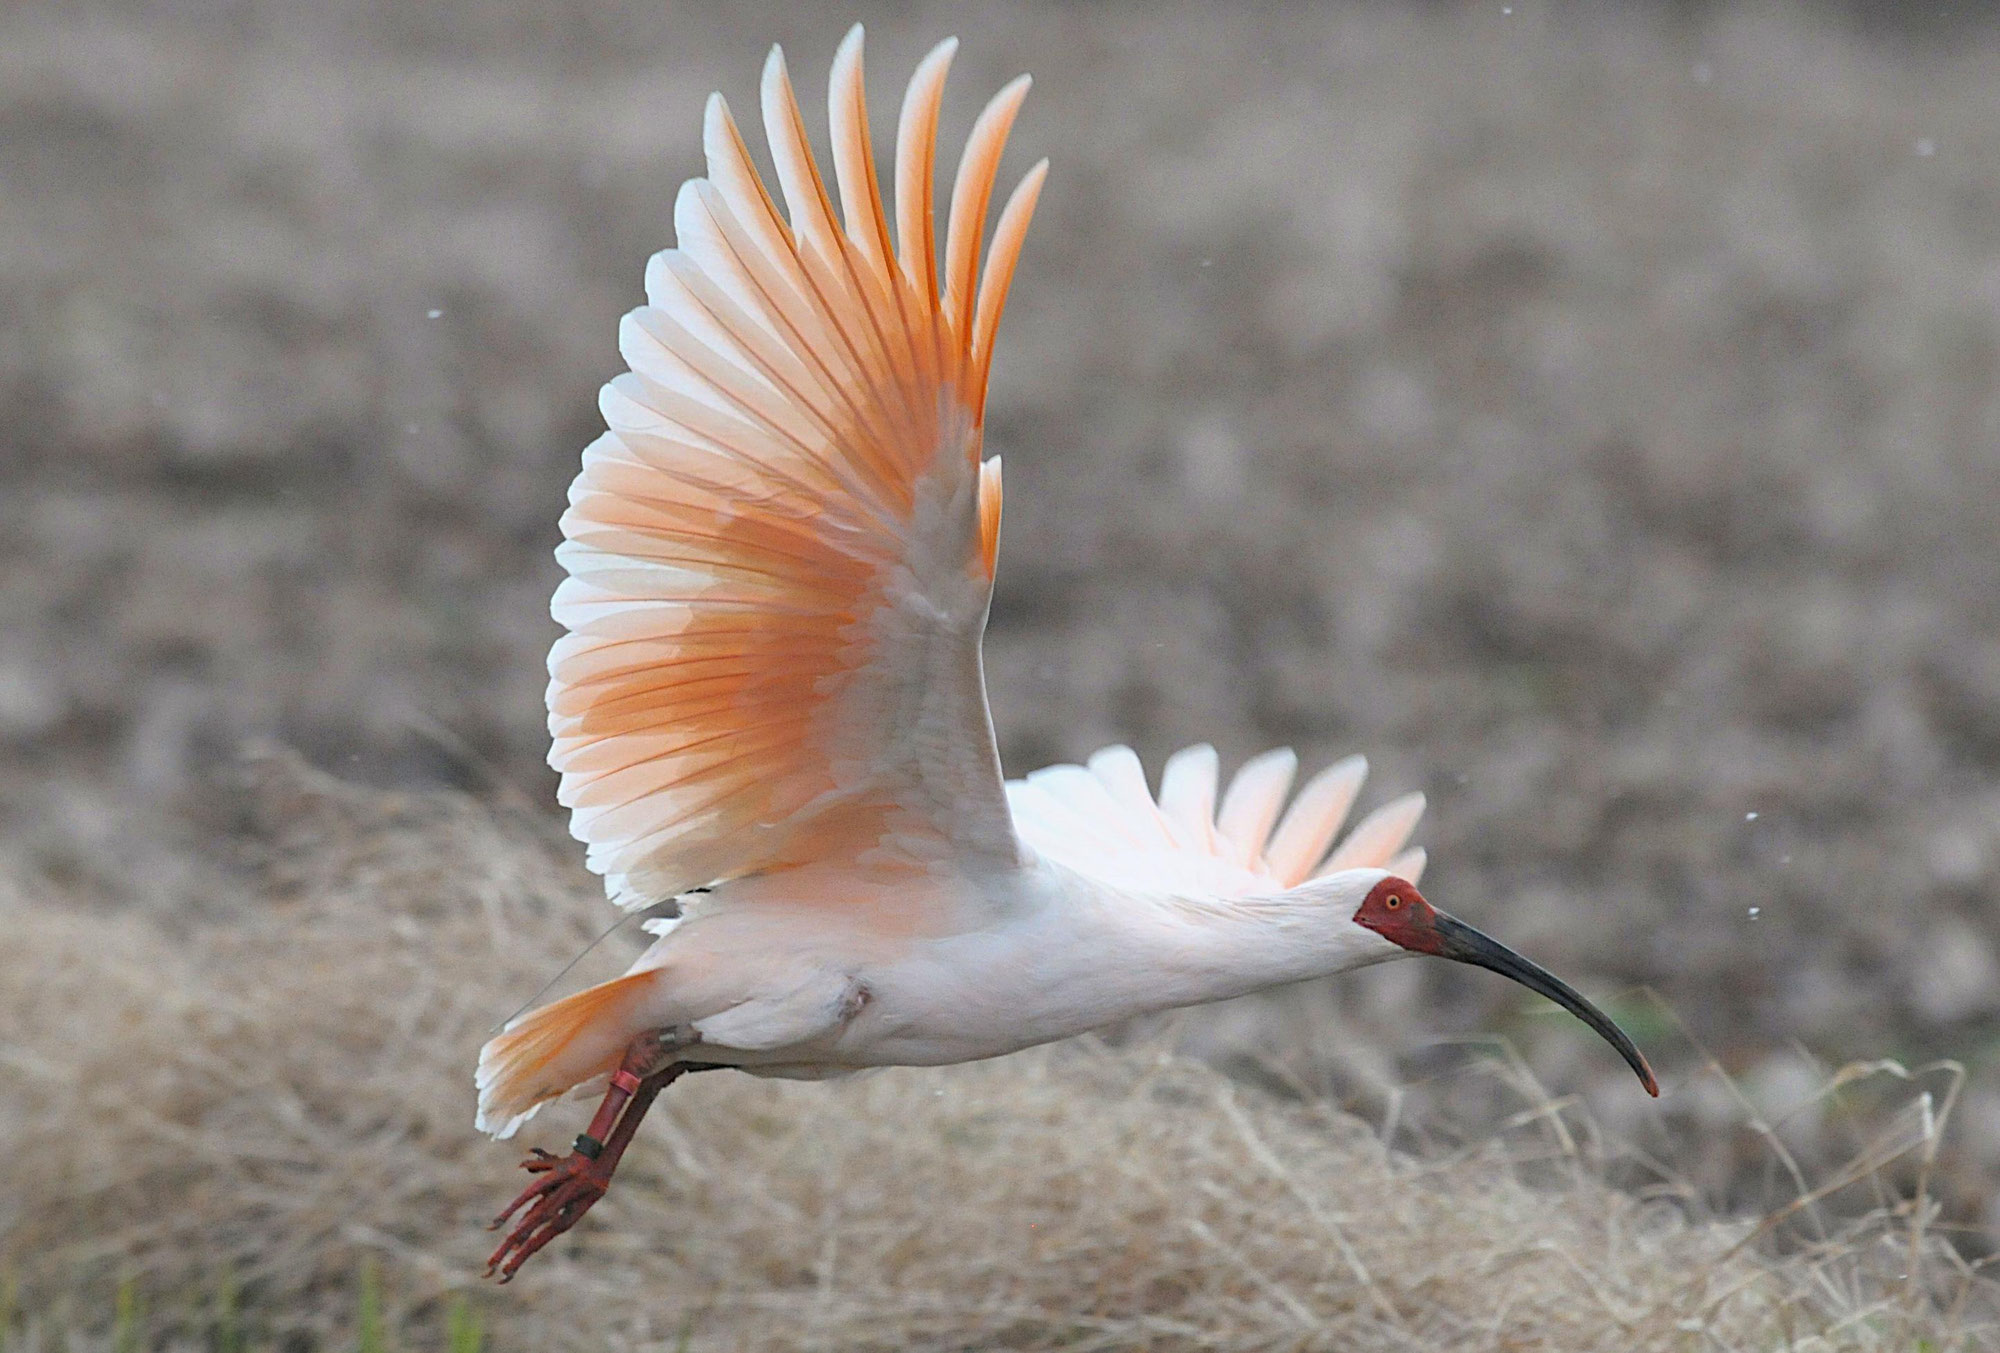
[(568, 1187), (571, 1185)]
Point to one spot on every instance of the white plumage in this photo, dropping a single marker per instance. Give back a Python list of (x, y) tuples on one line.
[(1099, 819)]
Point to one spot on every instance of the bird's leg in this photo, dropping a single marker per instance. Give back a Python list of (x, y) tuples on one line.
[(570, 1185)]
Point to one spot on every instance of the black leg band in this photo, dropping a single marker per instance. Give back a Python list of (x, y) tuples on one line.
[(588, 1146)]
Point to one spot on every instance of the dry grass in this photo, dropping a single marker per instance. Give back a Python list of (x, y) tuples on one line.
[(1586, 412), (279, 1093)]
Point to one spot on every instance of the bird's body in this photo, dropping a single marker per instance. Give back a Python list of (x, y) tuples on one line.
[(770, 705), (936, 971)]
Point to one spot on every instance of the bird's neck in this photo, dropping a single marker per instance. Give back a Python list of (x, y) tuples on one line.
[(1175, 951)]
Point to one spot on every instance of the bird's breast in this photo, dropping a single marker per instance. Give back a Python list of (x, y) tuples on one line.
[(1054, 967)]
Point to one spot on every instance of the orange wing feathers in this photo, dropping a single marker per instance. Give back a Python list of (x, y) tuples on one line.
[(780, 551)]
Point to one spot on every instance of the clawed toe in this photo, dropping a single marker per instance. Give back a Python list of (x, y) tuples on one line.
[(566, 1187), (569, 1186), (541, 1162)]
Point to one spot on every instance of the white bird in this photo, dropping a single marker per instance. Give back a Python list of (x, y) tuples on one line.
[(769, 704)]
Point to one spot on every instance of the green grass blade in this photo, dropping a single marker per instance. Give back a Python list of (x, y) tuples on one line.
[(126, 1318), (373, 1338), (465, 1332), (228, 1322), (10, 1307)]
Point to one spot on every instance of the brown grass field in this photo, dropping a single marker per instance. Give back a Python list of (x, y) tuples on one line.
[(270, 1097), (1588, 412)]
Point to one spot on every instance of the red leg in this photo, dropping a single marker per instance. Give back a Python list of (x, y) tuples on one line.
[(571, 1184)]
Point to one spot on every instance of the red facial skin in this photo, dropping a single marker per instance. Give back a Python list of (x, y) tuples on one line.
[(1396, 911)]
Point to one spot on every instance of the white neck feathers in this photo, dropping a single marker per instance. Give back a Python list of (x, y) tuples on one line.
[(1164, 951)]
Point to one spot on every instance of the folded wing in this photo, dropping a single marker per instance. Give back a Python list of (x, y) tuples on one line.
[(780, 553), (1101, 820)]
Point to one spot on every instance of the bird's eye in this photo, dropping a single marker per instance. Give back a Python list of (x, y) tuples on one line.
[(1392, 901)]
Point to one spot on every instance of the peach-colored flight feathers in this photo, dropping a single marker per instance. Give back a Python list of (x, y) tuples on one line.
[(781, 550)]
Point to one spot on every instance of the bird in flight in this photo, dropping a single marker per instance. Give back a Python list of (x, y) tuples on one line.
[(769, 702)]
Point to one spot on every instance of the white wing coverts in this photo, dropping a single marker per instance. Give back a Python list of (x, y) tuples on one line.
[(781, 552), (1100, 820)]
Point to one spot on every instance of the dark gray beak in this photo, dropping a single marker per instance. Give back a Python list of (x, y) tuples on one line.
[(1459, 941)]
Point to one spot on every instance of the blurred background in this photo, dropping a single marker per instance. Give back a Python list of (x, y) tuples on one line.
[(1590, 413)]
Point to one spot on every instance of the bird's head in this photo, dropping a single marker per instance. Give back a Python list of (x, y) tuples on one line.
[(1395, 910)]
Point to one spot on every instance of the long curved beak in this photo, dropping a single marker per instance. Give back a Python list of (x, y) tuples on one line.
[(1459, 941)]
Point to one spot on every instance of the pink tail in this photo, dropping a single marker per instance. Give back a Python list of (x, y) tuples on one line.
[(547, 1052)]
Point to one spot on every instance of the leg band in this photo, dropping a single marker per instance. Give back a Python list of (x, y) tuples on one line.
[(588, 1146), (625, 1081)]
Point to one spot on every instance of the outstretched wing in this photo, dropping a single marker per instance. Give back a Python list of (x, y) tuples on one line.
[(1099, 819), (780, 554)]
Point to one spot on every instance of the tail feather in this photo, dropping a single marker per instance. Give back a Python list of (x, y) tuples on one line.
[(551, 1050)]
